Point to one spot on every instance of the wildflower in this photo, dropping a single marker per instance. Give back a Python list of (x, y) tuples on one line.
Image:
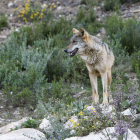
[(81, 113), (28, 0), (68, 105), (85, 109), (54, 6), (73, 125), (17, 61), (46, 5), (95, 111), (85, 106), (77, 124), (91, 108), (92, 125), (37, 48), (53, 3)]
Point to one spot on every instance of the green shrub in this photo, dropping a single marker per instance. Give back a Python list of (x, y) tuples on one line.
[(30, 123), (32, 33), (126, 1), (86, 16), (3, 21), (34, 12), (127, 31), (111, 5)]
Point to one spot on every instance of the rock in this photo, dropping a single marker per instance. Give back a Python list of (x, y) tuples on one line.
[(72, 132), (43, 6), (105, 134), (107, 109), (10, 5), (69, 123), (23, 134), (45, 124), (99, 35), (136, 11), (90, 108), (1, 106), (79, 94), (59, 8), (128, 112), (12, 125), (136, 117), (103, 31), (58, 3)]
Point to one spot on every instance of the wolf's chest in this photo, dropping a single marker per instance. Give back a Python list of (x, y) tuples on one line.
[(91, 57)]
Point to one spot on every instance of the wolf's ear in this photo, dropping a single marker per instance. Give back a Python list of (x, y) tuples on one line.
[(75, 31), (82, 32)]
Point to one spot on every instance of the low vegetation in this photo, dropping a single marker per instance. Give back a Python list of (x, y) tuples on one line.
[(36, 73), (3, 21)]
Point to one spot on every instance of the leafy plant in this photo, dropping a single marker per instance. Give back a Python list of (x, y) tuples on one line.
[(111, 5), (34, 12), (30, 123), (3, 21)]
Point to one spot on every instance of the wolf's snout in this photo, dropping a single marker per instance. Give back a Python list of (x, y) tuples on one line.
[(65, 50)]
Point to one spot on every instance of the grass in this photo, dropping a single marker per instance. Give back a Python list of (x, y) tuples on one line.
[(3, 21)]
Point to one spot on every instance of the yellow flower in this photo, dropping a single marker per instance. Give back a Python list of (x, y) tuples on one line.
[(91, 108), (68, 105), (54, 6), (17, 61), (92, 125), (73, 125), (73, 122), (46, 5), (53, 3), (37, 48), (95, 111), (85, 109), (85, 106), (28, 0), (77, 124), (18, 15), (81, 113)]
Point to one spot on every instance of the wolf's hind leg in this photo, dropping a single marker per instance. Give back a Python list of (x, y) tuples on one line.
[(104, 83), (109, 79), (93, 81)]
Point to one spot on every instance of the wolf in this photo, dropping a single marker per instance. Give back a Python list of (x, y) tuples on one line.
[(98, 58)]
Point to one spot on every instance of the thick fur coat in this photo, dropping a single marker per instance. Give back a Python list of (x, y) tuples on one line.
[(98, 59)]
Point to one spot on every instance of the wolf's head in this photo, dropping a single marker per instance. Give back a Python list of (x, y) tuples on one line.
[(78, 42)]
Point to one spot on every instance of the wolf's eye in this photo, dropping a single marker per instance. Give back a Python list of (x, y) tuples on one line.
[(74, 41)]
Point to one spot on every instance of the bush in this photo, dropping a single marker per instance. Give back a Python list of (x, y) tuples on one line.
[(124, 1), (127, 31), (111, 5), (34, 12), (86, 16), (3, 21)]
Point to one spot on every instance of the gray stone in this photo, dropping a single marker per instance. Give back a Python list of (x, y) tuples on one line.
[(23, 134), (45, 124), (10, 4), (12, 125), (105, 134)]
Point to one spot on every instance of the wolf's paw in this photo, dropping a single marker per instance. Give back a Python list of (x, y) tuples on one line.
[(105, 103)]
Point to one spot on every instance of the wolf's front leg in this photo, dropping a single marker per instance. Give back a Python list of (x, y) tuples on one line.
[(93, 81), (104, 83)]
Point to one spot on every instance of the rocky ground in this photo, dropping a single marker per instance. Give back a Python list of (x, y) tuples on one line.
[(67, 8)]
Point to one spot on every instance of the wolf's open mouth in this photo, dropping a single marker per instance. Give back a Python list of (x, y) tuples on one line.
[(74, 52)]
